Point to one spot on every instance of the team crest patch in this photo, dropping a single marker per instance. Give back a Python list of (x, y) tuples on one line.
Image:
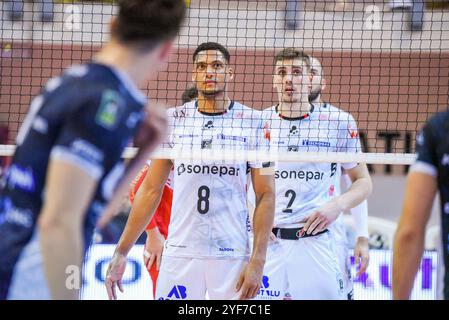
[(110, 110)]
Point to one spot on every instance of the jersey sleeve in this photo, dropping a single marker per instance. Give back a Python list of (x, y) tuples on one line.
[(349, 139), (173, 114), (426, 161), (92, 133), (261, 142)]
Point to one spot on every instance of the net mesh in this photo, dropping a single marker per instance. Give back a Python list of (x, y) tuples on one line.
[(383, 66)]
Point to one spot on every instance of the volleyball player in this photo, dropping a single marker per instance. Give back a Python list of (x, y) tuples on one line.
[(302, 261), (427, 176)]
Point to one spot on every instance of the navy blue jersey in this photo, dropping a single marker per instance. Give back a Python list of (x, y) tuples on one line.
[(432, 147), (85, 117)]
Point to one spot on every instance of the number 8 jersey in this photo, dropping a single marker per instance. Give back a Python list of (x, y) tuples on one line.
[(209, 212)]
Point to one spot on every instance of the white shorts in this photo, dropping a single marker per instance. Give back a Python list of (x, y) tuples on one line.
[(304, 269), (189, 278), (345, 268)]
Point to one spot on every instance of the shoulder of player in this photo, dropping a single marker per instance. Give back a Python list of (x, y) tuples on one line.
[(244, 112), (438, 124), (95, 80), (440, 120), (183, 111), (268, 113), (82, 83), (334, 113)]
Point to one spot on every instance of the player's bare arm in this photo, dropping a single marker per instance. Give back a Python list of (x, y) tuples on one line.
[(409, 240), (361, 248), (360, 189), (264, 188), (145, 203), (68, 192)]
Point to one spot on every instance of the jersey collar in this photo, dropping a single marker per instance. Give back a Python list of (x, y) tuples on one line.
[(305, 116), (231, 105)]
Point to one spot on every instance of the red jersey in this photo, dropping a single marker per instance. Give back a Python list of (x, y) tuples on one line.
[(161, 218)]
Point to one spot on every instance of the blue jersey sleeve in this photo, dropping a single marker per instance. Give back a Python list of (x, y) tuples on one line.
[(93, 134)]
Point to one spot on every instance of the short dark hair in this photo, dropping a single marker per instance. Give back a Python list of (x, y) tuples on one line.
[(146, 23), (189, 94), (292, 53), (212, 46)]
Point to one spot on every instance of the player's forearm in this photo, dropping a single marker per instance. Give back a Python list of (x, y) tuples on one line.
[(145, 204), (356, 194), (407, 252), (263, 223), (360, 216), (62, 249)]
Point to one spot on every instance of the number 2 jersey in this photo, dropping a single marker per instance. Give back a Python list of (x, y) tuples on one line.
[(209, 216), (303, 187)]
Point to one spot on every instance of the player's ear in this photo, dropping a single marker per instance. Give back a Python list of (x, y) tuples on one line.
[(230, 73), (323, 84)]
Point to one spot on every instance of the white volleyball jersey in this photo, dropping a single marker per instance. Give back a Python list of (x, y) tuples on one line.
[(301, 188), (209, 213)]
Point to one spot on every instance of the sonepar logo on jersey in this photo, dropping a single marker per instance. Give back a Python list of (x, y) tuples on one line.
[(299, 174), (207, 169)]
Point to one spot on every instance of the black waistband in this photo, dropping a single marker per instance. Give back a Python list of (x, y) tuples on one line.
[(293, 233)]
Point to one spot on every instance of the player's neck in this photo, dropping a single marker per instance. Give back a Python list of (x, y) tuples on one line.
[(115, 56), (318, 102), (293, 110), (214, 105)]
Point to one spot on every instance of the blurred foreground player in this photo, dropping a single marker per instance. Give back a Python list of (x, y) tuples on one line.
[(429, 174), (68, 158)]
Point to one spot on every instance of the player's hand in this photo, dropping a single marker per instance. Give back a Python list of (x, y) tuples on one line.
[(153, 248), (114, 275), (361, 254), (249, 280), (321, 218), (273, 237)]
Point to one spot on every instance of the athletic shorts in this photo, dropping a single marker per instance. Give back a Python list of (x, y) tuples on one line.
[(183, 278), (345, 268), (303, 269)]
